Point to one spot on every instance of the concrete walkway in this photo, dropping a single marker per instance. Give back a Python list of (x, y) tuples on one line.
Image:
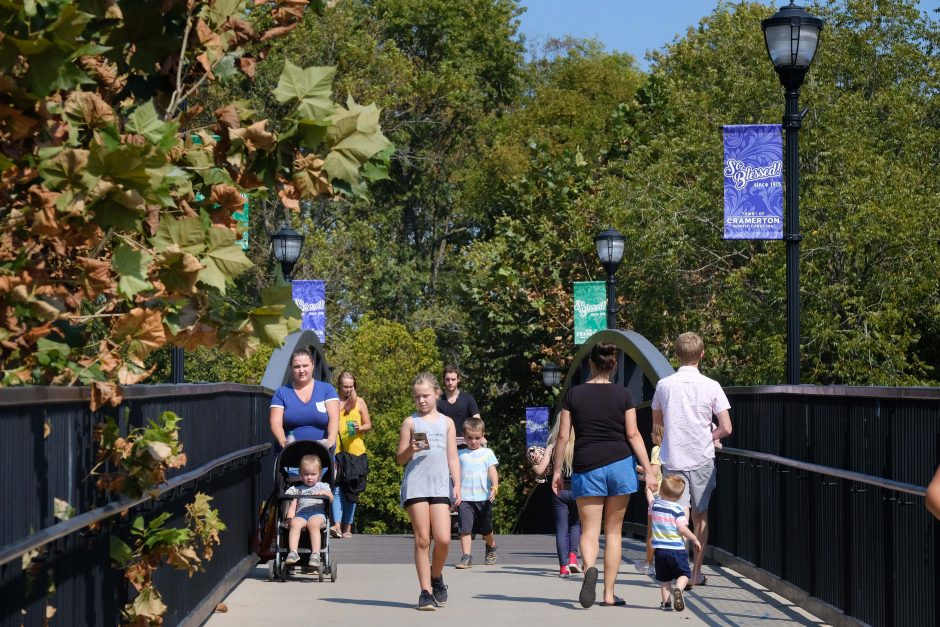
[(377, 586)]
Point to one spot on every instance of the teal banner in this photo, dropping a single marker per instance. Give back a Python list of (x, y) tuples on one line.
[(590, 309)]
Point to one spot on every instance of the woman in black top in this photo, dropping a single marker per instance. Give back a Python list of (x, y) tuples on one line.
[(603, 417)]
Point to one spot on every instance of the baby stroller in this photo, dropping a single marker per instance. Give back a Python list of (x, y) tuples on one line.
[(285, 469)]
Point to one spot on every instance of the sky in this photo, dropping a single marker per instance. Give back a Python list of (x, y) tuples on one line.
[(631, 26)]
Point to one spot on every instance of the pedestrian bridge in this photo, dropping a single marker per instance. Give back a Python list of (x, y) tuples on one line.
[(820, 500), (377, 585)]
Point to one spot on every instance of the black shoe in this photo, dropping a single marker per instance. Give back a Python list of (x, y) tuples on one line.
[(426, 602), (588, 587), (666, 606), (439, 590)]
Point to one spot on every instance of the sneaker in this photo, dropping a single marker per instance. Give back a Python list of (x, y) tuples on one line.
[(465, 562), (573, 567), (563, 571), (314, 561), (677, 602), (426, 602), (666, 606), (490, 558), (439, 590), (292, 558), (642, 566)]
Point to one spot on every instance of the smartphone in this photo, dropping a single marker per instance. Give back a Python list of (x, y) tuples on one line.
[(422, 439)]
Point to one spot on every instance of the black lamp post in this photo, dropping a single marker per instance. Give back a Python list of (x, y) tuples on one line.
[(551, 375), (792, 35), (287, 244), (609, 245)]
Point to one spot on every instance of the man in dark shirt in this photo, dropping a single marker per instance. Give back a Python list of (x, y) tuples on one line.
[(456, 404)]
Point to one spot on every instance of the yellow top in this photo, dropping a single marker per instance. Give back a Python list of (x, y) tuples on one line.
[(654, 460), (352, 444)]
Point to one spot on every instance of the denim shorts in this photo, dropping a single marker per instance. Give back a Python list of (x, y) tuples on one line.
[(307, 514), (614, 479)]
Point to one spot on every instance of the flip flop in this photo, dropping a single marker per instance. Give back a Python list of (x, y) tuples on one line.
[(691, 585), (588, 592), (617, 601), (334, 533)]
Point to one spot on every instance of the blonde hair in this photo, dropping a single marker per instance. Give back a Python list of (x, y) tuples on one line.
[(566, 464), (672, 487), (657, 434), (473, 425), (426, 378), (350, 402), (689, 347), (311, 460)]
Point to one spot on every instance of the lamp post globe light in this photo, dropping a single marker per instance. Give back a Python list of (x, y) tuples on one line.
[(551, 375), (609, 245), (792, 36), (287, 243)]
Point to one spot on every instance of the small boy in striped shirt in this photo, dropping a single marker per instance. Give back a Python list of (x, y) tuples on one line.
[(669, 523)]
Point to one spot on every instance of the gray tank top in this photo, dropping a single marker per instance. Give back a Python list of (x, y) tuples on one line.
[(427, 474)]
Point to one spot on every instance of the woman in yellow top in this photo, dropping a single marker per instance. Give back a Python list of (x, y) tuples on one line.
[(353, 423)]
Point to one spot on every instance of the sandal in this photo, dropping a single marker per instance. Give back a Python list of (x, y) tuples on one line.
[(588, 588), (617, 601), (348, 534), (334, 533)]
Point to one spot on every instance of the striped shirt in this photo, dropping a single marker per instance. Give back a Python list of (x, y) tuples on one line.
[(667, 518)]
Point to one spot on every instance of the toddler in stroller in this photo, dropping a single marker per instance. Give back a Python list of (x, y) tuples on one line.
[(305, 507)]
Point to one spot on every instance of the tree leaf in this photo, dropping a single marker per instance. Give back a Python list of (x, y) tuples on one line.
[(224, 259), (131, 266), (119, 552), (311, 86)]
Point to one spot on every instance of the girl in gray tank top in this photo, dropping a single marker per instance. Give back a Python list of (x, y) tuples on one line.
[(427, 445)]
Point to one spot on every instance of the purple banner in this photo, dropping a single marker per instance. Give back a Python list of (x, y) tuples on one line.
[(753, 181), (536, 426), (310, 296)]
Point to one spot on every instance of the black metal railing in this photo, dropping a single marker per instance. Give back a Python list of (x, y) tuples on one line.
[(823, 490), (48, 454)]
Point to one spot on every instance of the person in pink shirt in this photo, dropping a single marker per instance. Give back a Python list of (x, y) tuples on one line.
[(686, 404)]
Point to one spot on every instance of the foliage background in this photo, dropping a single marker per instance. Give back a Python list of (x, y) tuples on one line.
[(508, 161)]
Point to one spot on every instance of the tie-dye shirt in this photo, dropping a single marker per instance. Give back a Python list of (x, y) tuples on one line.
[(474, 473), (667, 518)]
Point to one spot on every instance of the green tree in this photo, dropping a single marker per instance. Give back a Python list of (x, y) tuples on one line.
[(385, 357), (869, 199)]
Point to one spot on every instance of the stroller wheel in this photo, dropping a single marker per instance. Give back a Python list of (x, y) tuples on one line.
[(333, 572), (270, 570), (321, 572)]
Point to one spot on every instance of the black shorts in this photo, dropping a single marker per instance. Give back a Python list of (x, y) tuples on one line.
[(671, 564), (475, 517), (431, 500)]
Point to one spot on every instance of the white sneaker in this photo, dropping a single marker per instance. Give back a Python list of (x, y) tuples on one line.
[(642, 567), (292, 558)]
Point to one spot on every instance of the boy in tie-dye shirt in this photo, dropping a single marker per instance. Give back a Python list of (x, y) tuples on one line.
[(670, 526)]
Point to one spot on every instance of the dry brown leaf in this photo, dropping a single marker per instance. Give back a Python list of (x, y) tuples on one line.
[(289, 197), (288, 11), (247, 65), (221, 608), (103, 392), (89, 107), (228, 197), (310, 178), (255, 136), (277, 31), (240, 31), (228, 117), (203, 60), (96, 276), (16, 124)]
